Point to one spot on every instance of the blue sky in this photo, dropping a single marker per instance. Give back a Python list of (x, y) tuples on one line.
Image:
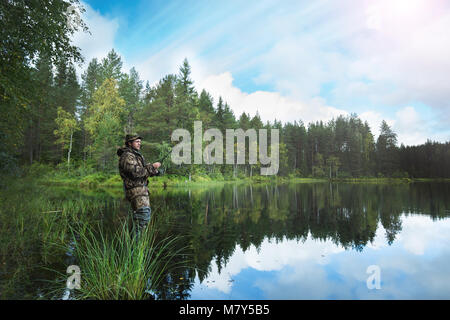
[(293, 60)]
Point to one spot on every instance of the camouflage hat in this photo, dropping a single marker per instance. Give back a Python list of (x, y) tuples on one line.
[(132, 137)]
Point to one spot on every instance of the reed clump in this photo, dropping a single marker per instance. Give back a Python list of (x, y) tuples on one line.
[(120, 266)]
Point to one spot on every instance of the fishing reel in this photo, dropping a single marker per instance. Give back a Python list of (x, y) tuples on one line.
[(161, 171)]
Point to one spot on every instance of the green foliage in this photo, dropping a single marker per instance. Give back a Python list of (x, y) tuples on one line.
[(387, 152), (130, 88), (217, 176), (111, 67), (113, 181), (66, 126), (105, 122), (37, 170), (28, 35), (93, 180)]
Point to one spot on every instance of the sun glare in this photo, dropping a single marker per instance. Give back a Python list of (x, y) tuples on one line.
[(386, 14)]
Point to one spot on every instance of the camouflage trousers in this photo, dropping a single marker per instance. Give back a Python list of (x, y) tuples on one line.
[(139, 202), (141, 213)]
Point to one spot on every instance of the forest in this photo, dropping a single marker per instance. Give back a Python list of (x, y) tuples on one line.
[(49, 116), (62, 120)]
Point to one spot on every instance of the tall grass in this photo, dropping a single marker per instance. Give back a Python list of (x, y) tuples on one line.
[(118, 266), (36, 225)]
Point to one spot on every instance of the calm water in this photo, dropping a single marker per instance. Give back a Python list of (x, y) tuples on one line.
[(298, 241)]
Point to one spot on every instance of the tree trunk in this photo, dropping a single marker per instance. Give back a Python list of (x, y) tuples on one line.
[(68, 153)]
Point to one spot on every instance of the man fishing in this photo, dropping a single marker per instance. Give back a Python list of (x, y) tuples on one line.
[(135, 173)]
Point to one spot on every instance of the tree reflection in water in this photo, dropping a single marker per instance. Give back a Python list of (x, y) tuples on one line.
[(215, 221)]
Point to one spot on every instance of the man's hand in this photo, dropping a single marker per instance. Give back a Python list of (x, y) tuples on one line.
[(156, 165)]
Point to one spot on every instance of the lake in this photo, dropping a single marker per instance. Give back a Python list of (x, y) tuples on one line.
[(260, 241)]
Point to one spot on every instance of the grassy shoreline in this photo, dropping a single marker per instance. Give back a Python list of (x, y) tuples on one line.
[(114, 180)]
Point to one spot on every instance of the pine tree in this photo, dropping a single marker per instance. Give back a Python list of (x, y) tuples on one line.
[(229, 120), (41, 115), (185, 84), (111, 67), (67, 89), (387, 156), (219, 116), (130, 88), (158, 117), (206, 109), (185, 98), (91, 81)]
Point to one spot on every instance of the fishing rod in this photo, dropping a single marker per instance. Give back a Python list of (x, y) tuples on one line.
[(161, 160), (162, 169)]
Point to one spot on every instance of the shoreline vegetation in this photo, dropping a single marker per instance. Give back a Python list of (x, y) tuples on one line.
[(173, 180)]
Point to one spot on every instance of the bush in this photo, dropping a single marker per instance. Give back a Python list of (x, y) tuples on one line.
[(8, 164), (93, 180), (200, 178), (292, 176), (217, 176), (241, 176), (113, 181), (39, 169)]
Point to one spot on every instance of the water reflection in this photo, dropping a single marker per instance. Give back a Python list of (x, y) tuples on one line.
[(292, 241), (301, 234)]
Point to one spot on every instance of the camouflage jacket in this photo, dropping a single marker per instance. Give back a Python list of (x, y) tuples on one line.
[(134, 172)]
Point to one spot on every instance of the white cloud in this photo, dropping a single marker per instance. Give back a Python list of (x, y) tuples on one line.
[(420, 233), (407, 50), (166, 61), (388, 53), (268, 104), (270, 256), (411, 126), (379, 241), (374, 120), (298, 66), (101, 38)]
